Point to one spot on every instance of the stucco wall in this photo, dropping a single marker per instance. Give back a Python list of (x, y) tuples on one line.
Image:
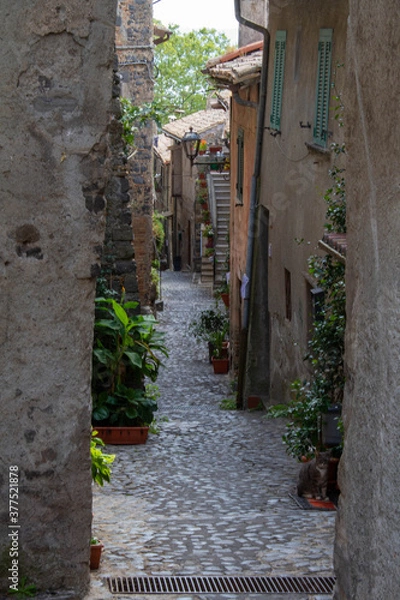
[(244, 117), (294, 178), (368, 542), (56, 99)]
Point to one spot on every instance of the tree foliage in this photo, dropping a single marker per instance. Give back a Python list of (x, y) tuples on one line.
[(181, 88)]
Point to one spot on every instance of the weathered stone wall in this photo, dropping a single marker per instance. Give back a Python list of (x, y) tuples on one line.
[(135, 51), (56, 65), (368, 543), (118, 257)]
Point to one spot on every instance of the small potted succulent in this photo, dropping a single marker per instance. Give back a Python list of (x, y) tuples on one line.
[(96, 548)]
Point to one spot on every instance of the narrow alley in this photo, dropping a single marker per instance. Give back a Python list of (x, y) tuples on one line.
[(208, 495)]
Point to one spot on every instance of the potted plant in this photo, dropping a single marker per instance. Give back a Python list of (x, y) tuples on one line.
[(96, 548), (101, 472), (220, 357), (223, 292), (206, 216), (206, 326), (126, 353), (202, 147)]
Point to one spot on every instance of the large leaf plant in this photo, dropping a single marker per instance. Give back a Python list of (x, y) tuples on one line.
[(126, 352)]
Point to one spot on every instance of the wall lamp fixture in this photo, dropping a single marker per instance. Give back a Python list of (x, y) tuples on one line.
[(191, 143)]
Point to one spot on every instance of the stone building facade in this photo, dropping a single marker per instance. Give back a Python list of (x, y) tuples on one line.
[(57, 77)]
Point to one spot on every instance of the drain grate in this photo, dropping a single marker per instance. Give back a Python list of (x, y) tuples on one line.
[(221, 585)]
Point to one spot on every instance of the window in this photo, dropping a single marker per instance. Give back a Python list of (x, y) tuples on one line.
[(288, 295), (240, 166), (277, 87), (320, 132)]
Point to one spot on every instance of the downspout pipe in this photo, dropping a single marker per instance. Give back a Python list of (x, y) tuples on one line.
[(254, 196)]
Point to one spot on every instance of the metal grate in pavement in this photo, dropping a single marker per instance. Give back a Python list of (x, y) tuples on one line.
[(221, 585)]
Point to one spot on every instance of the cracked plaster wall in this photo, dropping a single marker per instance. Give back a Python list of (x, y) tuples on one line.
[(56, 62)]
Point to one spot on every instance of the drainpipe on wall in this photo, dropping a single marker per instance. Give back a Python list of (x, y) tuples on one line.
[(254, 195)]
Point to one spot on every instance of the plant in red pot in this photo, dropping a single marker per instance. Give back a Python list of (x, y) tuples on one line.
[(96, 548), (126, 353), (220, 358)]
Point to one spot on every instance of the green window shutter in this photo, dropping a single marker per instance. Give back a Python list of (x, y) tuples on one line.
[(240, 166), (320, 132), (277, 87)]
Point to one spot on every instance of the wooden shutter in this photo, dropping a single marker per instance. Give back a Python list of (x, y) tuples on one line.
[(240, 166), (320, 132), (277, 87)]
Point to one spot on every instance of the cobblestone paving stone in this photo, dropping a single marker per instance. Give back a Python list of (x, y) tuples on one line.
[(208, 495)]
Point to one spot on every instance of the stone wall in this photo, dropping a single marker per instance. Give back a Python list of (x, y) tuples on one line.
[(118, 257), (55, 87), (135, 51), (367, 546)]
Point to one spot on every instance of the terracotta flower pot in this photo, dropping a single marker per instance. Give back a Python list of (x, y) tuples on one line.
[(221, 365), (253, 402), (95, 555), (225, 298), (123, 435)]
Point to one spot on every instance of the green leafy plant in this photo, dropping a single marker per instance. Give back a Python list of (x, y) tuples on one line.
[(94, 541), (209, 323), (217, 339), (101, 462), (133, 117), (208, 231), (25, 589), (126, 352), (302, 436), (228, 404)]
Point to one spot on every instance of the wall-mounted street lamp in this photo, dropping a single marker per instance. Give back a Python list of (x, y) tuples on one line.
[(191, 143)]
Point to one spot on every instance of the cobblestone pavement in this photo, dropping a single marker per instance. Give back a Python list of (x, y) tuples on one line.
[(208, 495)]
